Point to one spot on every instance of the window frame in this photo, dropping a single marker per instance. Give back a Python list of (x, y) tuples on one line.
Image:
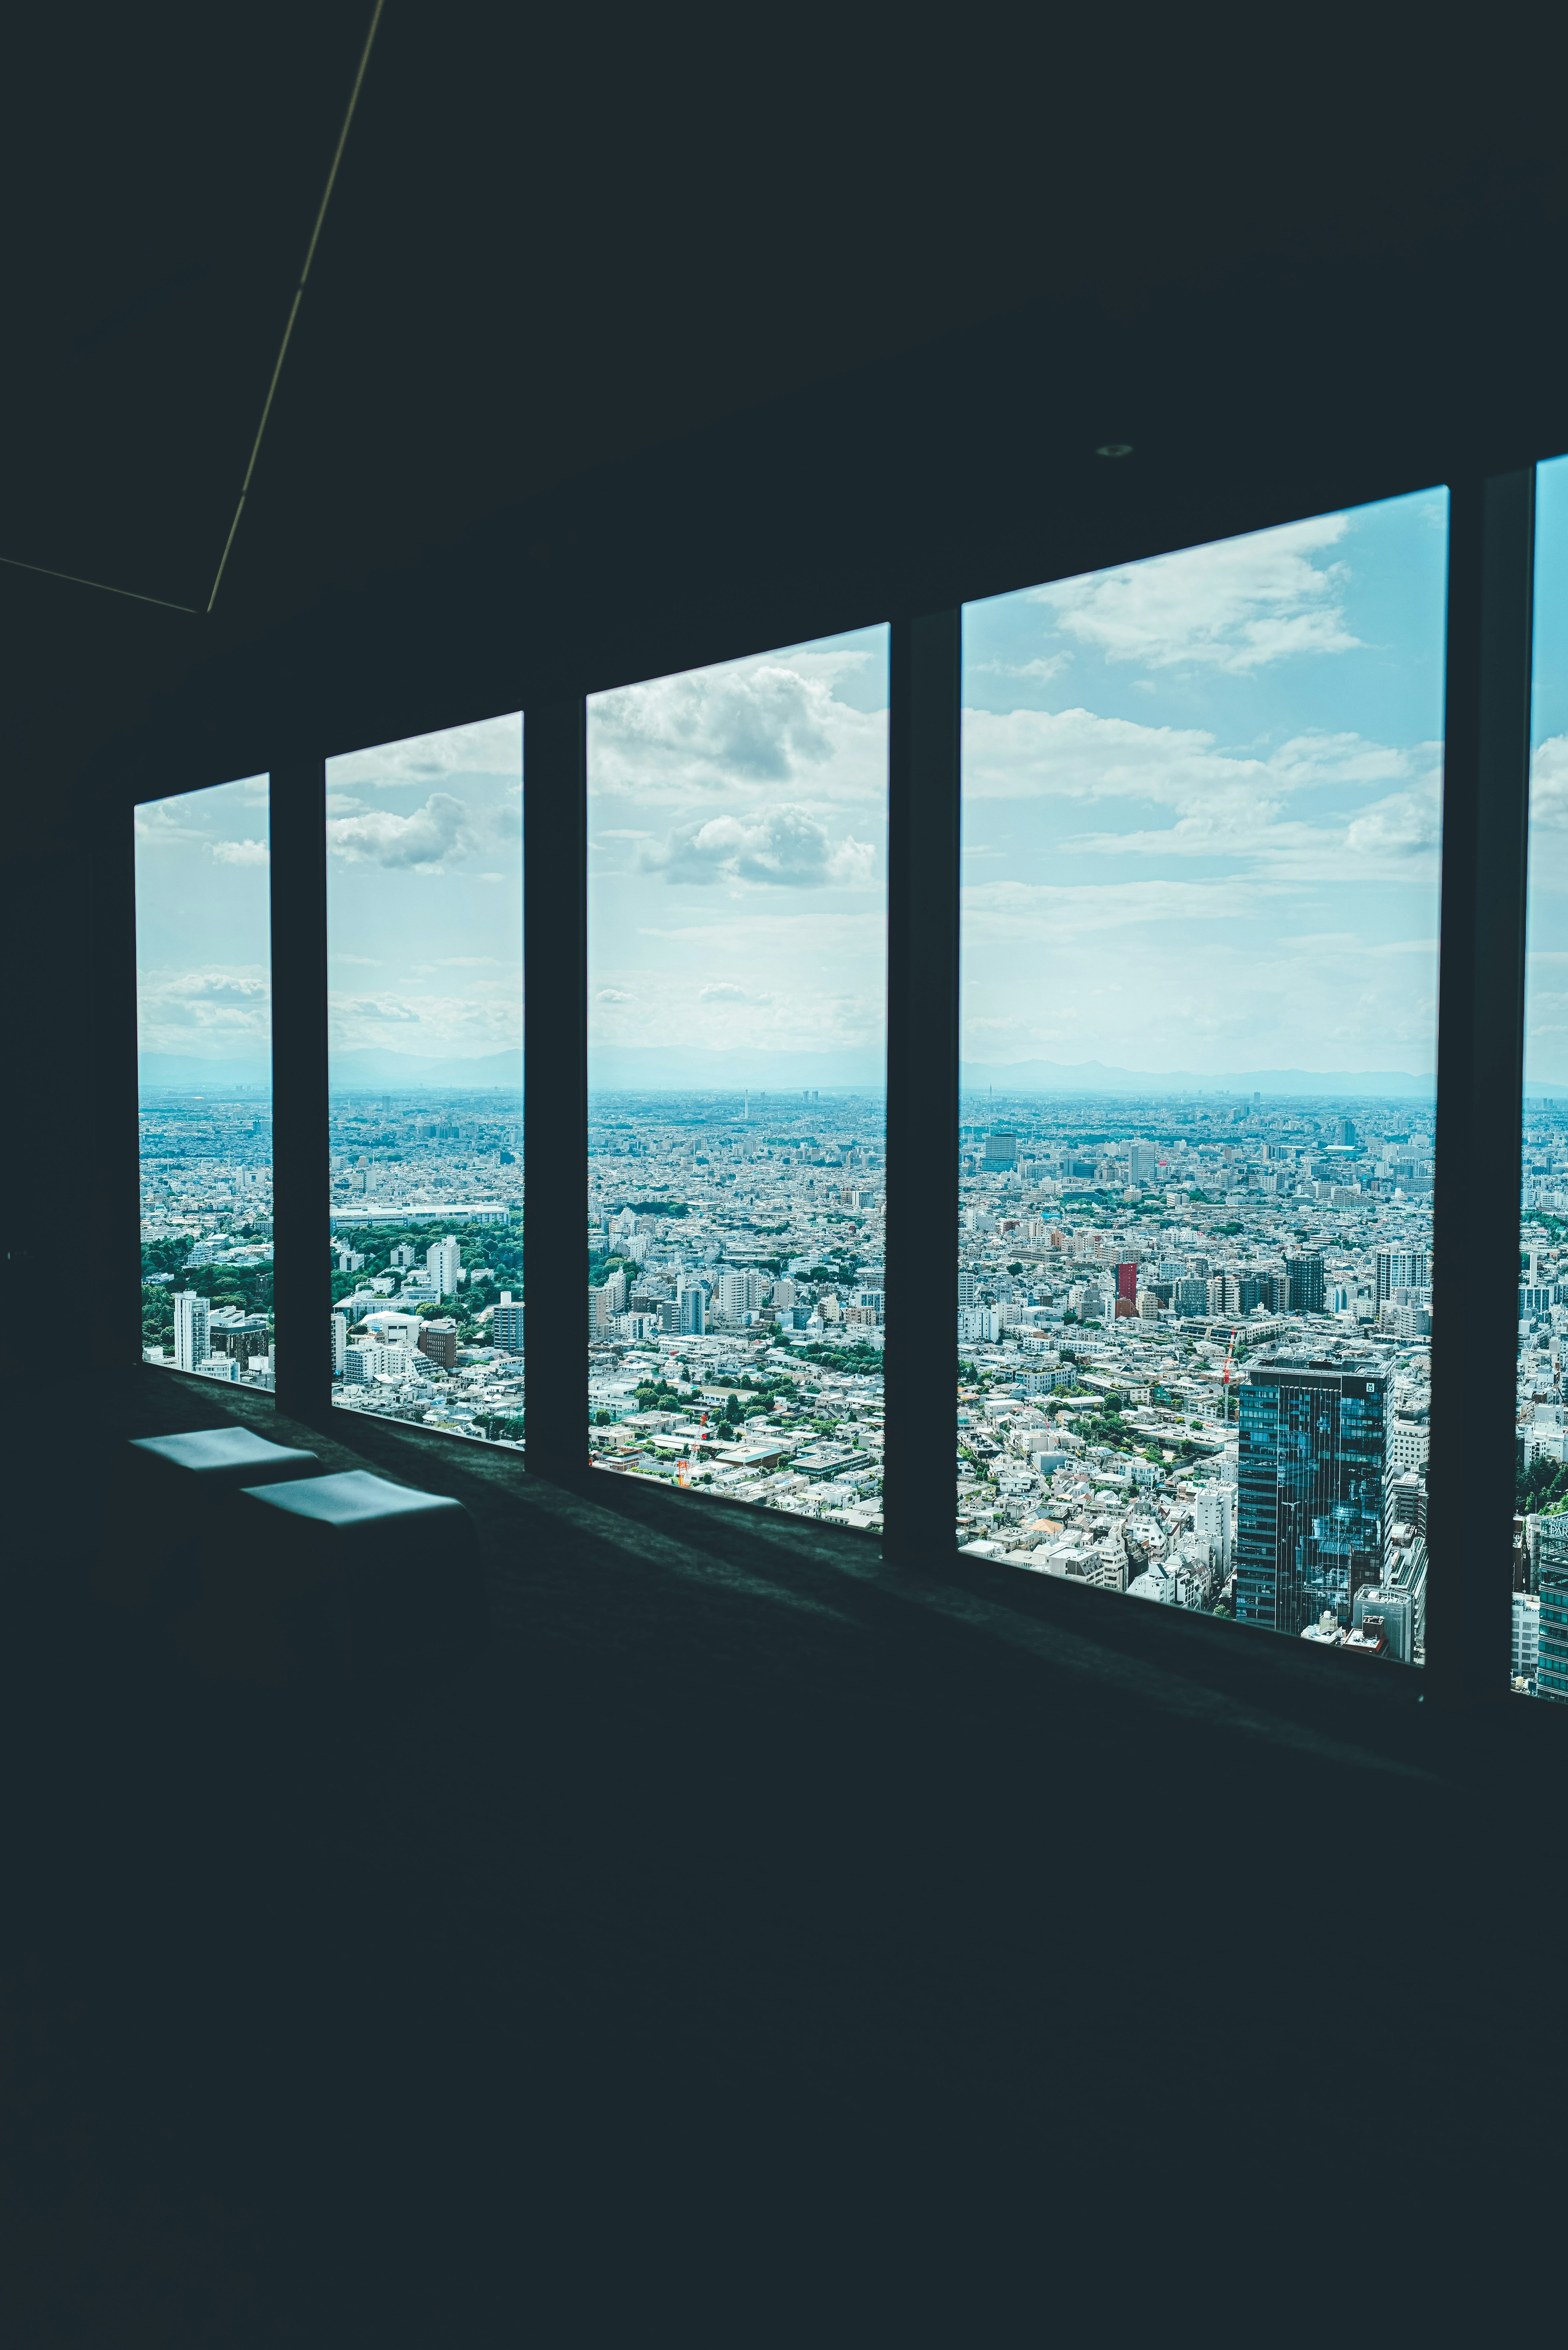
[(289, 725)]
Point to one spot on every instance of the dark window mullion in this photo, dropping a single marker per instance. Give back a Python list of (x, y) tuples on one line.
[(918, 1376), (1480, 1027), (302, 1279), (116, 1326), (556, 1085)]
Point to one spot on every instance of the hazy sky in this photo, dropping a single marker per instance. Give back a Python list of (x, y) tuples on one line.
[(737, 860), (203, 925), (1202, 805), (424, 880)]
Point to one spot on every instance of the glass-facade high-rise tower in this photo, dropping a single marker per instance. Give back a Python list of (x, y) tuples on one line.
[(1310, 1505)]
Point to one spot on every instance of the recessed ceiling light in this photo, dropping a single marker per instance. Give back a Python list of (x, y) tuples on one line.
[(1113, 449)]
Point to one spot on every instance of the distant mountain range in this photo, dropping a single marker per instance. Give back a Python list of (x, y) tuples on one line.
[(689, 1069), (676, 1068), (1099, 1077)]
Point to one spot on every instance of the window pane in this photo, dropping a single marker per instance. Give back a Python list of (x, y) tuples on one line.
[(204, 982), (1540, 1660), (737, 948), (1201, 799), (424, 934)]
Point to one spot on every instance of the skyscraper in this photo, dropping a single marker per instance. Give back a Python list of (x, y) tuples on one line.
[(1305, 1275), (691, 1311), (1400, 1269), (1310, 1499), (1551, 1589), (192, 1324)]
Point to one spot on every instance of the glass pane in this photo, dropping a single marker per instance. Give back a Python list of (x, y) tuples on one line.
[(1200, 902), (737, 1065), (1540, 1660), (203, 988), (424, 935)]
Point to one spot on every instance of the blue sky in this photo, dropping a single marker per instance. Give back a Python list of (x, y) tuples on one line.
[(1546, 988), (203, 925), (1202, 805), (737, 860), (424, 904)]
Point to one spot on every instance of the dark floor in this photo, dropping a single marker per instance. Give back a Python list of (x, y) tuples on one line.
[(748, 1941)]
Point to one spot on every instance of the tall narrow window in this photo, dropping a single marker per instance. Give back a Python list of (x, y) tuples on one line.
[(1540, 1662), (737, 943), (425, 972), (1199, 1042), (204, 982)]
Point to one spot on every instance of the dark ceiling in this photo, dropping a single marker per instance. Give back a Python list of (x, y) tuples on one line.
[(555, 248)]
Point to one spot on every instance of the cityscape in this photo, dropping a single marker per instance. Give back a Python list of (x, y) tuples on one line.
[(1193, 1334), (1193, 1291)]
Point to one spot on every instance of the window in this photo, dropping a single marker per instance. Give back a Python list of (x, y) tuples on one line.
[(1199, 905), (1540, 1598), (425, 1005), (204, 1079), (737, 953)]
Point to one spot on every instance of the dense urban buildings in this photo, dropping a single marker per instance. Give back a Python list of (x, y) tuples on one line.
[(1160, 1299), (737, 1294)]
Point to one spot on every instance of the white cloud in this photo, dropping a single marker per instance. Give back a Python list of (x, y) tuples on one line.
[(1223, 804), (1237, 605), (1548, 785), (487, 1020), (442, 833), (782, 846), (721, 992), (240, 852), (614, 996), (178, 1011), (1406, 824), (1043, 667), (740, 730), (493, 747)]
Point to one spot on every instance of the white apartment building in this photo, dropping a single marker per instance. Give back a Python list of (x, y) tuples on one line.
[(192, 1329), (1407, 1443), (1211, 1519), (442, 1262)]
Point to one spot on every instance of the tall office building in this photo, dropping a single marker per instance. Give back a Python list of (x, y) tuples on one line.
[(1552, 1590), (192, 1325), (1400, 1269), (691, 1311), (1395, 1607), (1142, 1161), (1549, 1580), (1310, 1470), (1001, 1149), (1305, 1273), (968, 1289), (340, 1342), (506, 1325)]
